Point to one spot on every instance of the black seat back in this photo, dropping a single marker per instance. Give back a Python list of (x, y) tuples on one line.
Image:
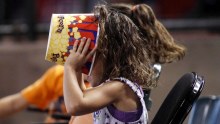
[(180, 99)]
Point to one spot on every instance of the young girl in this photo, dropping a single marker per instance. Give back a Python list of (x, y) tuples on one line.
[(121, 69)]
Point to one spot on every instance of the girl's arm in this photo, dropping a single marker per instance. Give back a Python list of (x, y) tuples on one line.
[(80, 101)]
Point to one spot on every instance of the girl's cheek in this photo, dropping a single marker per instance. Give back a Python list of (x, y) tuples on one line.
[(89, 79), (96, 73), (94, 80)]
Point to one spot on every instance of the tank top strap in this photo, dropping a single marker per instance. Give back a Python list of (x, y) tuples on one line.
[(137, 89), (134, 86)]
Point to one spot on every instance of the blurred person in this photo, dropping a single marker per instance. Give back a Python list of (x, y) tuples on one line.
[(45, 93)]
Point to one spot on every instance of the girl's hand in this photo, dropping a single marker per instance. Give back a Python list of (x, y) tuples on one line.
[(79, 54)]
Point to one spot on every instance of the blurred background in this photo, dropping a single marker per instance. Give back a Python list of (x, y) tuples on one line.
[(24, 27)]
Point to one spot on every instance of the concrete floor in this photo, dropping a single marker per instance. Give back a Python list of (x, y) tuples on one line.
[(22, 62)]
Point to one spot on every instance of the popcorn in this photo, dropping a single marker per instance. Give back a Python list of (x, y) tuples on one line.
[(64, 30)]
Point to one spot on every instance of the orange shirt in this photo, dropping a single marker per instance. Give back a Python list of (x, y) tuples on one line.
[(46, 89), (49, 89)]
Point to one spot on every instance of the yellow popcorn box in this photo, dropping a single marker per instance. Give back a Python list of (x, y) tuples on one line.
[(65, 29)]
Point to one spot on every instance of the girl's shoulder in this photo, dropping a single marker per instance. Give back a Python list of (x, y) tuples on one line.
[(113, 85), (133, 85), (123, 85)]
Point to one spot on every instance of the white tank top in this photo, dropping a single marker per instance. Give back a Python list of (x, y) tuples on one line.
[(110, 115)]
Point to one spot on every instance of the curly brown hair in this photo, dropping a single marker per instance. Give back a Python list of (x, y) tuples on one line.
[(122, 48), (162, 48)]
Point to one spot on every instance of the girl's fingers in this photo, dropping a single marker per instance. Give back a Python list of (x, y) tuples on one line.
[(75, 45), (81, 45), (86, 47), (91, 53)]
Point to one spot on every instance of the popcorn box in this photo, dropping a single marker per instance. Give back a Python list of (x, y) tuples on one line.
[(65, 29)]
